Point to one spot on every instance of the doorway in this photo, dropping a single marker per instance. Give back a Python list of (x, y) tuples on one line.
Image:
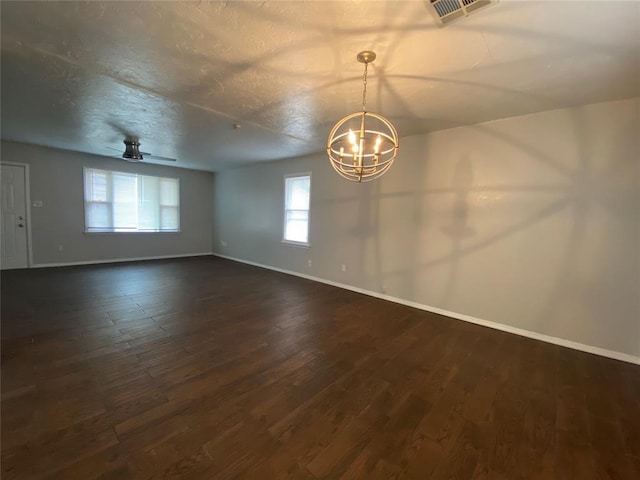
[(14, 226)]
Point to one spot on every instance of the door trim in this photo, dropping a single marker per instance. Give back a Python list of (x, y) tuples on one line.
[(27, 191)]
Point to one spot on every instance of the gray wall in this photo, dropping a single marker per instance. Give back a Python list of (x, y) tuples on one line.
[(56, 178), (531, 222)]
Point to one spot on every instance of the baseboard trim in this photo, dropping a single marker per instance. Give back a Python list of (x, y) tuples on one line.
[(118, 260), (624, 357)]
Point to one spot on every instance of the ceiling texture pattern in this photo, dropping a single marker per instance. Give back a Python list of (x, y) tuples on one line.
[(84, 75)]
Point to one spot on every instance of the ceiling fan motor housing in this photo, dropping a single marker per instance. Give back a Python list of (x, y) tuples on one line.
[(132, 151)]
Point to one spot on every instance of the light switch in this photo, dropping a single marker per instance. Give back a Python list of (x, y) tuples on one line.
[(37, 203)]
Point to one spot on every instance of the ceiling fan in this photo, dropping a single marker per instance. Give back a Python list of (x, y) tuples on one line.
[(132, 153)]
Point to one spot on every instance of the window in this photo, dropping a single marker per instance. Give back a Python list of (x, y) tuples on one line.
[(297, 191), (126, 202)]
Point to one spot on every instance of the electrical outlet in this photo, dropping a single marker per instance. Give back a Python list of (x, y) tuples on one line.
[(60, 247), (344, 267), (383, 288), (223, 243), (309, 263)]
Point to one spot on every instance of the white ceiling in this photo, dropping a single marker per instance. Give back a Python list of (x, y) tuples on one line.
[(83, 75)]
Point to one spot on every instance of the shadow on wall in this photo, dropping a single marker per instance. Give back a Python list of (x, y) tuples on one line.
[(574, 205), (458, 230)]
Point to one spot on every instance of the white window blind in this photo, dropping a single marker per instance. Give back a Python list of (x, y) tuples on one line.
[(297, 191), (126, 202)]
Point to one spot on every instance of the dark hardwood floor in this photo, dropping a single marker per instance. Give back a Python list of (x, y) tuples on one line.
[(205, 368)]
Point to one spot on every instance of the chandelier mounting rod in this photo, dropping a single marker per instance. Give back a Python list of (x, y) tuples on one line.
[(365, 57)]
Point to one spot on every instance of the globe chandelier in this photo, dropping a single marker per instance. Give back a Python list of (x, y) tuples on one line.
[(362, 145)]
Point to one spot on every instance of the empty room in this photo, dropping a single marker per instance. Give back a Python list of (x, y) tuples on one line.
[(320, 240)]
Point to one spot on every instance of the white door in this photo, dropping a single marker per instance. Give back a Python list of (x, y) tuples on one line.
[(13, 201)]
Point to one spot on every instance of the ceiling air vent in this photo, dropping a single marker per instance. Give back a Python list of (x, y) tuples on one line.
[(447, 11)]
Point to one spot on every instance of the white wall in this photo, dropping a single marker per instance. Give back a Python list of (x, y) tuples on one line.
[(531, 222), (56, 178)]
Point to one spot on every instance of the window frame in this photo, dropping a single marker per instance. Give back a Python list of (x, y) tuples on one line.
[(110, 203), (285, 209)]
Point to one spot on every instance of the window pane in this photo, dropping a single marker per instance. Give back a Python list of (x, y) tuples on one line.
[(297, 231), (98, 216), (148, 212), (298, 193), (96, 185), (125, 201), (125, 188), (169, 218), (169, 192)]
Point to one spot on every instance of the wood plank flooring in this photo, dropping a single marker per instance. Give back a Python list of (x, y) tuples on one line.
[(204, 368)]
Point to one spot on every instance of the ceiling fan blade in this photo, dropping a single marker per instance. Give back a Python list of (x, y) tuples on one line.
[(120, 157), (158, 157)]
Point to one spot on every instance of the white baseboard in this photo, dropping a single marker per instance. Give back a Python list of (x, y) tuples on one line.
[(458, 316), (117, 260)]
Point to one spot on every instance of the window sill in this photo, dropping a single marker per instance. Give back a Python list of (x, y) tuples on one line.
[(296, 244), (130, 233)]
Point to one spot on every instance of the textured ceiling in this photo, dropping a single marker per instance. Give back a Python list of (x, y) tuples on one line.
[(83, 75)]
